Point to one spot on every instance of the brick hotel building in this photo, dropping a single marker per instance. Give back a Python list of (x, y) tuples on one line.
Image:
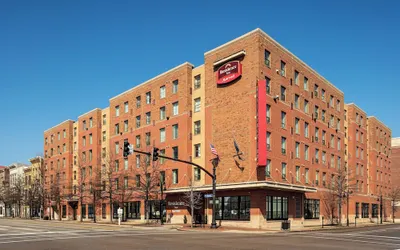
[(292, 125)]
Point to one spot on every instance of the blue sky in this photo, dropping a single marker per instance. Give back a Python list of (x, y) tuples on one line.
[(60, 59)]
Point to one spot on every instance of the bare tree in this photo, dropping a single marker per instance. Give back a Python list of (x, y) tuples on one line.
[(57, 193), (147, 179), (192, 200), (330, 204), (109, 181), (341, 185), (394, 196), (83, 180), (17, 193)]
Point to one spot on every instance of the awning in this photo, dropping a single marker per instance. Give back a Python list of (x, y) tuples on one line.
[(247, 185)]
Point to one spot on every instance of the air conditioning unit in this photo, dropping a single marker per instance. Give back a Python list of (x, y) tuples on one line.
[(268, 120), (268, 147), (283, 151)]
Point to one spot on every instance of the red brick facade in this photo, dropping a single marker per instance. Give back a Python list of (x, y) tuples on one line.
[(278, 100)]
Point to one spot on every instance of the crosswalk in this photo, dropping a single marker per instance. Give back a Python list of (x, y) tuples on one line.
[(387, 238), (33, 231)]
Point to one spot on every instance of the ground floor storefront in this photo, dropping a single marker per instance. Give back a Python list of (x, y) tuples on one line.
[(251, 206)]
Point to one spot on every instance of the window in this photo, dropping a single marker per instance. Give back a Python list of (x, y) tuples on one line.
[(277, 208), (357, 210), (126, 107), (104, 136), (148, 97), (316, 155), (267, 58), (332, 141), (268, 85), (364, 210), (148, 118), (297, 173), (311, 209), (306, 108), (197, 105), (162, 92), (175, 152), (306, 173), (283, 170), (306, 147), (338, 124), (297, 125), (268, 113), (175, 176), (197, 150), (338, 105), (162, 113), (162, 134), (137, 161), (268, 140), (116, 129), (197, 127), (125, 182), (139, 101), (64, 134), (138, 121), (323, 115), (175, 108), (323, 94), (323, 157), (117, 148), (283, 93), (175, 84), (297, 149), (58, 136), (296, 101), (316, 90), (138, 141), (117, 110), (126, 126), (306, 129), (233, 208), (148, 135), (197, 82), (116, 181), (65, 147), (316, 112), (83, 142), (268, 168), (175, 131), (331, 101), (324, 179), (283, 145), (332, 121), (197, 174), (356, 152), (305, 83), (338, 144), (283, 68), (317, 177), (296, 77), (283, 119), (83, 211), (339, 162), (90, 155), (162, 152), (316, 134), (104, 120)]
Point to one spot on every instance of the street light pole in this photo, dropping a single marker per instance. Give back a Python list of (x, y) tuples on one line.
[(214, 186), (380, 210), (348, 223)]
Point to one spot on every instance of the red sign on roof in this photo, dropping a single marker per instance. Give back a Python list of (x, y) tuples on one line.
[(228, 72)]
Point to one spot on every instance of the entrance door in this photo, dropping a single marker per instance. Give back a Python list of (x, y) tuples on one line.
[(74, 210)]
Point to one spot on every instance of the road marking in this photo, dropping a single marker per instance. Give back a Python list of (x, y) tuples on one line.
[(88, 236), (352, 240)]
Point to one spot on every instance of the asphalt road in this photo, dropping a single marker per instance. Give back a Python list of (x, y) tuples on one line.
[(35, 235)]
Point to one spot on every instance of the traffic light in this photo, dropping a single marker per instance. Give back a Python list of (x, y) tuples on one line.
[(155, 154), (126, 149)]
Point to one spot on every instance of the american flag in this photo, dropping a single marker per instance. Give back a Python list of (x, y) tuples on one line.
[(213, 150)]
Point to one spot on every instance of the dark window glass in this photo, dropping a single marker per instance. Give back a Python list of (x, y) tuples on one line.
[(233, 208), (83, 211), (277, 208), (365, 210), (311, 209)]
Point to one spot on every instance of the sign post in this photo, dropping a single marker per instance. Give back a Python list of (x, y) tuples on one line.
[(119, 216)]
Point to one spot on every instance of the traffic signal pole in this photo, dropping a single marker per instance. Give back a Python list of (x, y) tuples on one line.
[(213, 176)]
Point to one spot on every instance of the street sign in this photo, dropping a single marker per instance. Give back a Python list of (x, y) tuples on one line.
[(208, 195)]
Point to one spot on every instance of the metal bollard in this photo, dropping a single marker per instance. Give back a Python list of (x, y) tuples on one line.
[(322, 221)]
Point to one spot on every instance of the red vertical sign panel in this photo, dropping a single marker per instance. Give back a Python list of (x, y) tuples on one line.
[(262, 123)]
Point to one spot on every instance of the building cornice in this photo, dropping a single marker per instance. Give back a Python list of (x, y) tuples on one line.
[(294, 57), (152, 79), (69, 120)]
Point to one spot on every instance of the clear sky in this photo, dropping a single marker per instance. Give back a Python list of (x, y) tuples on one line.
[(60, 59)]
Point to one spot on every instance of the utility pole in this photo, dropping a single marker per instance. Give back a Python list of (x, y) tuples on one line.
[(381, 206), (215, 162)]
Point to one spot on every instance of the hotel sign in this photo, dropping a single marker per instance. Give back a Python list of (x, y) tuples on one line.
[(229, 72)]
